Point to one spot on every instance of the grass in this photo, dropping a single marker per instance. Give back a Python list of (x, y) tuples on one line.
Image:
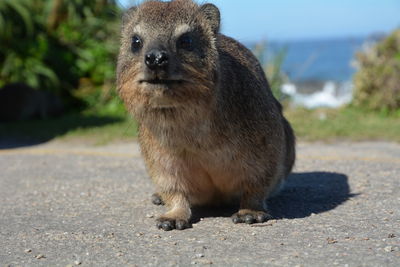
[(344, 124), (121, 129), (103, 127), (96, 129)]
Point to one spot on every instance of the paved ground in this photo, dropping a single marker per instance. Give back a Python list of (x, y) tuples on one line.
[(66, 204)]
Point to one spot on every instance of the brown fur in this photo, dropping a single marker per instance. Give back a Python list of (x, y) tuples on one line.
[(217, 135)]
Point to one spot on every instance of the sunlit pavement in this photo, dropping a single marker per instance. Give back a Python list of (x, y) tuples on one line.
[(70, 204)]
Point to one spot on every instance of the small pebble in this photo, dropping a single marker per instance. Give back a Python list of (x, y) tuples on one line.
[(202, 262), (28, 250), (40, 256), (389, 249), (77, 262), (331, 240), (149, 216), (391, 236), (200, 255)]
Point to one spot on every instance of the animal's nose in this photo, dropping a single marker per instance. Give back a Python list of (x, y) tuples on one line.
[(156, 59)]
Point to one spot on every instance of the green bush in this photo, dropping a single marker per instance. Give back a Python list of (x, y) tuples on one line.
[(377, 83), (67, 47)]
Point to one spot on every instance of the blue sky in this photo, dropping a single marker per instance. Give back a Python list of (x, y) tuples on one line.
[(253, 20)]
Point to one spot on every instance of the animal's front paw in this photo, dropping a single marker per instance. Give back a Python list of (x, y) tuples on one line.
[(168, 224), (250, 216)]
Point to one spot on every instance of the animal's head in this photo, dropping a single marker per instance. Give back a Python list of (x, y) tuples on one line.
[(168, 57)]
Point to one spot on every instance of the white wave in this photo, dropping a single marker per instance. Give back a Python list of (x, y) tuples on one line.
[(332, 95)]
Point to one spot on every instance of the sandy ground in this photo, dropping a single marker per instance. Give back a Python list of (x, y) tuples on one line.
[(64, 204)]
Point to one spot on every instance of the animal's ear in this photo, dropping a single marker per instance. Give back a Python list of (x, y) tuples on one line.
[(211, 12), (128, 15)]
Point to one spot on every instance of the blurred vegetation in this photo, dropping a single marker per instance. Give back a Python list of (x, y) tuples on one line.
[(347, 123), (272, 61), (377, 83), (88, 126), (67, 47), (309, 125)]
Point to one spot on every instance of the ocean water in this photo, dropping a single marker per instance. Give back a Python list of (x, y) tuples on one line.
[(320, 60), (319, 72)]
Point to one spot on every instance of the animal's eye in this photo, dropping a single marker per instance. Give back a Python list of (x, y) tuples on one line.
[(136, 44), (185, 42)]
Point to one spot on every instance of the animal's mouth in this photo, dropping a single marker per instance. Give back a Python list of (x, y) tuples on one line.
[(162, 81)]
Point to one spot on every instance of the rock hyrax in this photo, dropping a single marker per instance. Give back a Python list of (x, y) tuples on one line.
[(210, 129)]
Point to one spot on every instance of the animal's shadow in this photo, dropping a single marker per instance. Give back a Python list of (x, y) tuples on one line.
[(303, 195)]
